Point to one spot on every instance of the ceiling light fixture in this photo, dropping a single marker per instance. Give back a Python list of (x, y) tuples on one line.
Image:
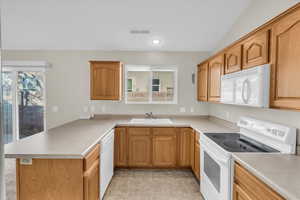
[(156, 42)]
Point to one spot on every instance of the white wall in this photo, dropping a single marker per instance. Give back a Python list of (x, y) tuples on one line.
[(68, 81), (259, 12)]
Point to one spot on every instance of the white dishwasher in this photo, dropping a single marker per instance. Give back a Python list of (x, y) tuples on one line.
[(106, 162)]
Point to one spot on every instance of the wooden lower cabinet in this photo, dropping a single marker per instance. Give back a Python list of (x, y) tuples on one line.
[(157, 147), (197, 161), (57, 179), (249, 187), (192, 150), (239, 193), (139, 147), (91, 182), (164, 147), (120, 147), (195, 154), (184, 138)]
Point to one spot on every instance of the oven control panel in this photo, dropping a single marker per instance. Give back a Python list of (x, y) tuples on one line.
[(275, 131)]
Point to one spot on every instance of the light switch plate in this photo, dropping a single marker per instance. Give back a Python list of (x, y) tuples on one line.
[(26, 161)]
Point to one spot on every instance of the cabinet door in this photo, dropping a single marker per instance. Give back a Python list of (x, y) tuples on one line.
[(256, 50), (164, 147), (233, 59), (185, 146), (239, 193), (202, 76), (285, 89), (139, 147), (216, 66), (120, 148), (106, 80), (91, 182), (50, 179), (192, 150), (197, 160)]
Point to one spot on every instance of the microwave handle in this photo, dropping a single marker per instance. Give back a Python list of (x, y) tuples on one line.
[(246, 83)]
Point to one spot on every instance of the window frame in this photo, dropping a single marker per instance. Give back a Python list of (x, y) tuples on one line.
[(26, 66), (151, 69)]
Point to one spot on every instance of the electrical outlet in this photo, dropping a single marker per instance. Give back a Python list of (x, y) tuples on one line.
[(182, 109)]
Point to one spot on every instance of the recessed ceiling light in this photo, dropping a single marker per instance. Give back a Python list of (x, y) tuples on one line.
[(156, 42)]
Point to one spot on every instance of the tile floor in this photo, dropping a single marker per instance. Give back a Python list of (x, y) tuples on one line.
[(153, 185), (134, 184)]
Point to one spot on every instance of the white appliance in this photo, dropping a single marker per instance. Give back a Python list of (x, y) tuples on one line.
[(216, 152), (106, 162), (248, 87)]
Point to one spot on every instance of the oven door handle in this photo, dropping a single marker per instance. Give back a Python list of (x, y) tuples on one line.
[(222, 161)]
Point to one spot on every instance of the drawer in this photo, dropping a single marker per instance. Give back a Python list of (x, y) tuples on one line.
[(139, 131), (164, 131), (91, 157), (251, 185)]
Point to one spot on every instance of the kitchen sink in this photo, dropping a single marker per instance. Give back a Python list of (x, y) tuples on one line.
[(151, 121)]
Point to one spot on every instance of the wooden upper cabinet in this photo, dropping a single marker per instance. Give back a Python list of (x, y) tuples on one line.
[(233, 59), (256, 50), (164, 147), (120, 147), (215, 71), (106, 80), (202, 75), (285, 85), (139, 146)]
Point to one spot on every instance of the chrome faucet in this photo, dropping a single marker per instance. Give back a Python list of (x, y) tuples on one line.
[(149, 115)]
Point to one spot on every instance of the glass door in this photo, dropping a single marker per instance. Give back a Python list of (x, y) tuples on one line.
[(23, 103)]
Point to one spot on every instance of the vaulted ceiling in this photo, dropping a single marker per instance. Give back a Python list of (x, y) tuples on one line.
[(180, 25)]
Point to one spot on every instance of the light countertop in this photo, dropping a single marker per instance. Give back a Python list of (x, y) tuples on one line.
[(280, 171), (76, 139)]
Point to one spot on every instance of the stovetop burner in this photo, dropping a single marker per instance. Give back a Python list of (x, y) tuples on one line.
[(235, 142)]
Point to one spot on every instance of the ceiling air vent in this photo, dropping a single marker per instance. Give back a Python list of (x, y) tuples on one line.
[(139, 31)]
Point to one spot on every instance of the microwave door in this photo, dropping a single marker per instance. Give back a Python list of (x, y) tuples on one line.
[(228, 90)]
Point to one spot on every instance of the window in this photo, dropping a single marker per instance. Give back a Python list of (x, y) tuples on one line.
[(23, 101), (129, 85), (155, 85), (151, 85)]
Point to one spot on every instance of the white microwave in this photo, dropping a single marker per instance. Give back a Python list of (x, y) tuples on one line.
[(250, 87)]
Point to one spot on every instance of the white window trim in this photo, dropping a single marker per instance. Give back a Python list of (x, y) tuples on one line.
[(152, 69), (32, 66)]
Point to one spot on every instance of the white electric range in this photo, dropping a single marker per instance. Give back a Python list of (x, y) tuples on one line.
[(216, 152)]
